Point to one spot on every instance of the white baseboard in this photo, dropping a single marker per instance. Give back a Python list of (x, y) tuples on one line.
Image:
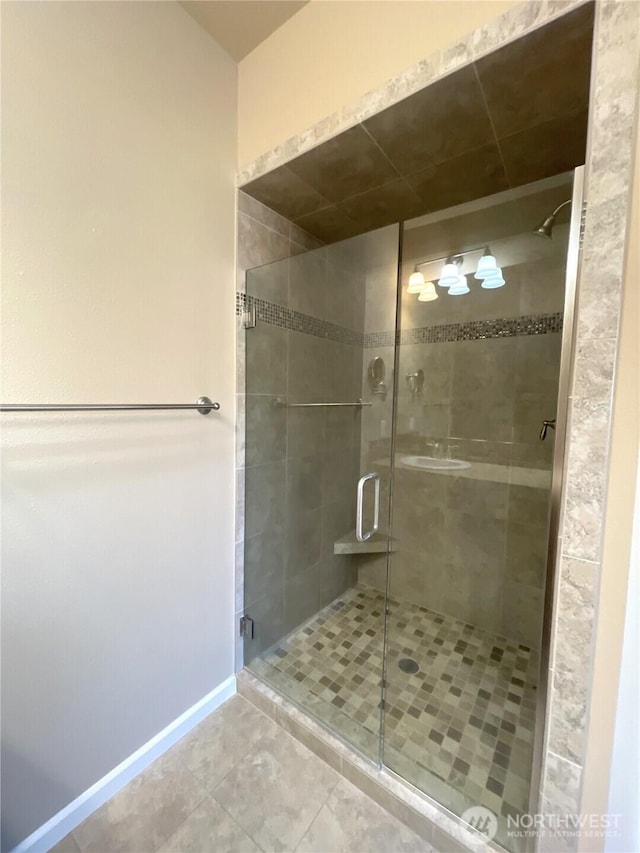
[(61, 824)]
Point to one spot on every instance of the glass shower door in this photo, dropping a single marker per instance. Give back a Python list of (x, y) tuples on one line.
[(319, 397), (480, 371)]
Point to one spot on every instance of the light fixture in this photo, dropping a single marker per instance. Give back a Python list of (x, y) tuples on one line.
[(487, 272), (487, 265), (428, 293), (450, 272), (460, 287), (495, 280), (416, 282)]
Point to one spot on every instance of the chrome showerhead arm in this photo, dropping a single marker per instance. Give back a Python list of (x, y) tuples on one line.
[(559, 207), (546, 226)]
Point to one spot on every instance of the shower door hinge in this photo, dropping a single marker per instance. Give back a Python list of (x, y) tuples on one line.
[(246, 627), (249, 315), (583, 219)]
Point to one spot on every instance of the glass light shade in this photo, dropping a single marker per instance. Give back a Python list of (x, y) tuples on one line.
[(460, 287), (416, 282), (493, 281), (449, 275), (486, 266), (428, 293)]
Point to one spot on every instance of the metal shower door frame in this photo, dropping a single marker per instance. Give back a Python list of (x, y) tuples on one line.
[(567, 354), (392, 454)]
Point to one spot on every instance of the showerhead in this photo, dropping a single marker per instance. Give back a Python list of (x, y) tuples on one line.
[(545, 229)]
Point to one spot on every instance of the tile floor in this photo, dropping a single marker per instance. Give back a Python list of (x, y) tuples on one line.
[(460, 727), (240, 783)]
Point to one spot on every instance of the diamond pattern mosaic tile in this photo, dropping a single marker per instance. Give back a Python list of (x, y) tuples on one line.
[(459, 701)]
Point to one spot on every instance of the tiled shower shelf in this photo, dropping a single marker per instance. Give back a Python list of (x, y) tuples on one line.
[(535, 478), (378, 544)]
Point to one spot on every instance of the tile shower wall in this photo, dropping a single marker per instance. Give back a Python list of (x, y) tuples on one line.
[(473, 545), (263, 237), (301, 464)]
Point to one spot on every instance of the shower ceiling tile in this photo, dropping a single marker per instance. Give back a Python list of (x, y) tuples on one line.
[(380, 206), (329, 224), (438, 123), (285, 192), (547, 149), (344, 166), (517, 115), (473, 175), (540, 77)]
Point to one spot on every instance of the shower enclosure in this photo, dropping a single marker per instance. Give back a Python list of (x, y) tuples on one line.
[(399, 479)]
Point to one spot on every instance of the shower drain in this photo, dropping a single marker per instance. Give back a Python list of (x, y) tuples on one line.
[(408, 665)]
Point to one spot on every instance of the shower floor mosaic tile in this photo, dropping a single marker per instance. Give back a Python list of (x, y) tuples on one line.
[(459, 701)]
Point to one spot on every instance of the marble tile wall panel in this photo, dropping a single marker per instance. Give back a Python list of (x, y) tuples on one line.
[(608, 185), (561, 785)]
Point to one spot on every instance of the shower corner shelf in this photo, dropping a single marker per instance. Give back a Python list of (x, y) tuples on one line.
[(378, 544)]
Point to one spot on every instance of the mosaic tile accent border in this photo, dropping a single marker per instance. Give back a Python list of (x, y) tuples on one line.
[(476, 330), (287, 318)]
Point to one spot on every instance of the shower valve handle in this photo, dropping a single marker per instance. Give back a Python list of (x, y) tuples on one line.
[(545, 428)]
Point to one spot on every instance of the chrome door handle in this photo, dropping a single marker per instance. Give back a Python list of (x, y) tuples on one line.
[(360, 536)]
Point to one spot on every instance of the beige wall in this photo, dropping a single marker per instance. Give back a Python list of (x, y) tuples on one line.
[(334, 51), (118, 270)]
